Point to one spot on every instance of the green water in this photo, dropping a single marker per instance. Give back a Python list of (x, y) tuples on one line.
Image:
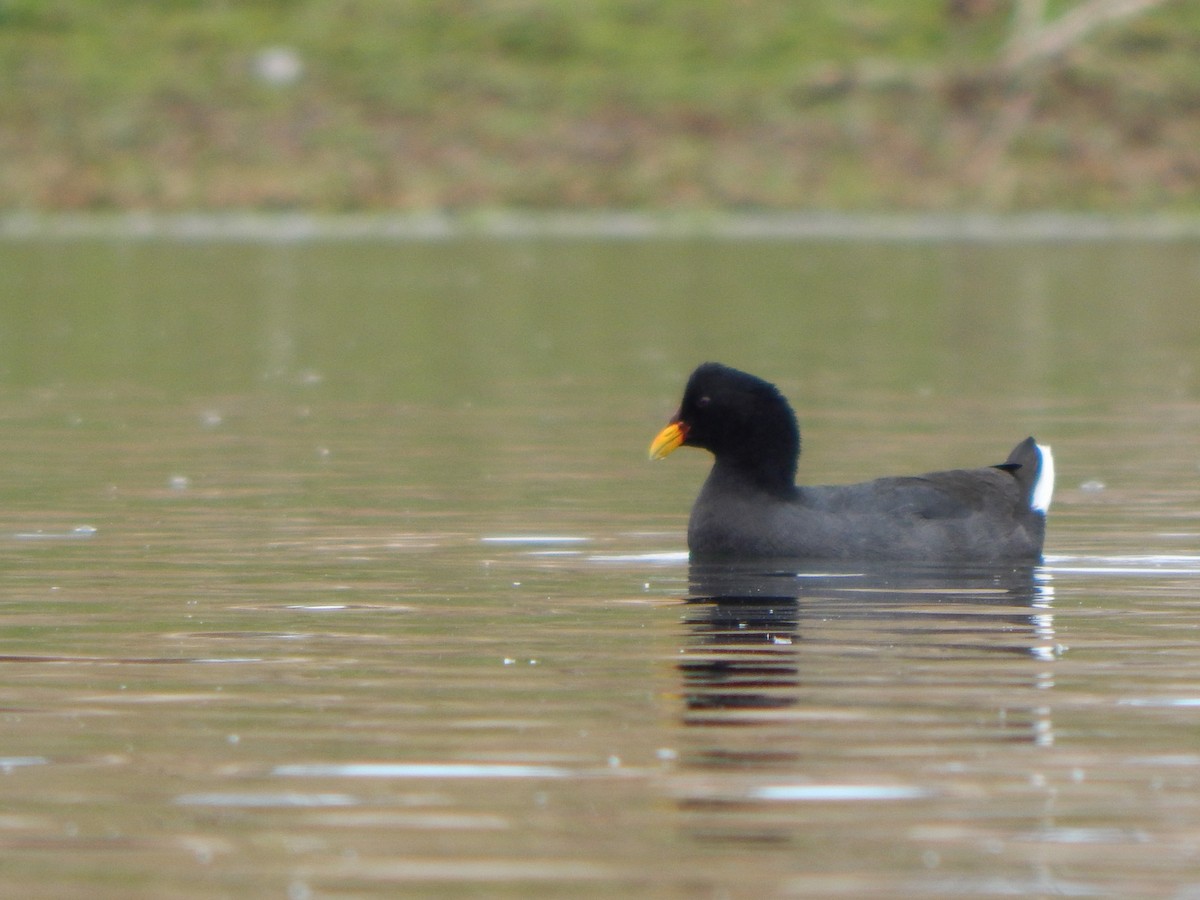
[(464, 320)]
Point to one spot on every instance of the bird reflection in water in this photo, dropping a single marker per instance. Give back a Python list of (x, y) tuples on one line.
[(811, 687), (758, 637)]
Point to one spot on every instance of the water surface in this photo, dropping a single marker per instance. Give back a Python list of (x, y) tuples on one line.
[(336, 568)]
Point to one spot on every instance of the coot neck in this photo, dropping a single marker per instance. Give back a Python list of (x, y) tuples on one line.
[(772, 473)]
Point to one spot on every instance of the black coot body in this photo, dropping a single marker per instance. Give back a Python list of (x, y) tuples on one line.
[(751, 508)]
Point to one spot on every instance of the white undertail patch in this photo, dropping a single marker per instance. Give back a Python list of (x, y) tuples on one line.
[(1043, 489)]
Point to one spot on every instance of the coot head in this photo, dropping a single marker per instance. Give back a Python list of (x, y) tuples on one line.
[(743, 421)]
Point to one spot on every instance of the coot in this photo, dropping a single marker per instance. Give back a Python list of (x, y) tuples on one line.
[(750, 506)]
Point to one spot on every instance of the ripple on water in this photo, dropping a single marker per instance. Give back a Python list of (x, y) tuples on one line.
[(266, 801), (1149, 564), (419, 770), (532, 539)]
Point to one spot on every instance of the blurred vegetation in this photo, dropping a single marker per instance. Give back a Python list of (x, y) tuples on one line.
[(466, 104)]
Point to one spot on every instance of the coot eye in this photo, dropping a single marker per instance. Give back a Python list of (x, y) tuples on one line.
[(703, 402)]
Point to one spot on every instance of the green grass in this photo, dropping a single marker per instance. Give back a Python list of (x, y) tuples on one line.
[(462, 104)]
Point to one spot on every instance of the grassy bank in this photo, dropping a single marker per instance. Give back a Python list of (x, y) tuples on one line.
[(466, 104)]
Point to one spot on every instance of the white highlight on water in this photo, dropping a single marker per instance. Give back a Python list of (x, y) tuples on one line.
[(836, 792)]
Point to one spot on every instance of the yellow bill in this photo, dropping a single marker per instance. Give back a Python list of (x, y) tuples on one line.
[(669, 440)]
